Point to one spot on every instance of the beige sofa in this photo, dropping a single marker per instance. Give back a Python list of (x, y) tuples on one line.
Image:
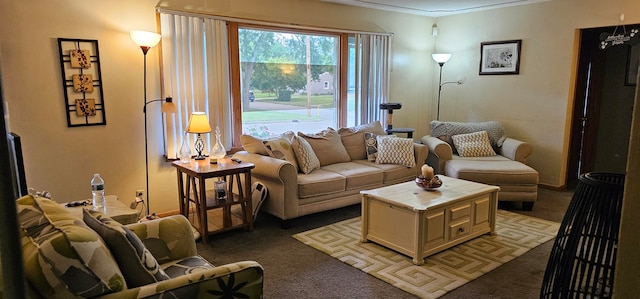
[(505, 168), (339, 179)]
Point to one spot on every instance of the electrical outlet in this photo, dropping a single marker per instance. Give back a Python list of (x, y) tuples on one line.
[(139, 193)]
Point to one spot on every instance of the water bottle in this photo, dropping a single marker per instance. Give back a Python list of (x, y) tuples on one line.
[(97, 191)]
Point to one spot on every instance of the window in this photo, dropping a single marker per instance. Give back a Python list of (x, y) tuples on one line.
[(288, 73), (264, 80)]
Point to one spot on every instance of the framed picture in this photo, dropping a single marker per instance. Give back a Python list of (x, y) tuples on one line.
[(500, 57), (82, 82), (633, 62)]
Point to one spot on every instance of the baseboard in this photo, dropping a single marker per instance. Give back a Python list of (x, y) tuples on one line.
[(554, 188)]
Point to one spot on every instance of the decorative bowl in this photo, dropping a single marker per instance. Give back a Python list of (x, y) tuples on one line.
[(428, 184)]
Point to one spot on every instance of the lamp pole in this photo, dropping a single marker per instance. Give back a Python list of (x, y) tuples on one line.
[(145, 40), (439, 90)]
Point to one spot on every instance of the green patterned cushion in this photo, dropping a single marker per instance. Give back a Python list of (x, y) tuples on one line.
[(307, 159), (62, 256), (185, 266), (395, 150), (137, 264)]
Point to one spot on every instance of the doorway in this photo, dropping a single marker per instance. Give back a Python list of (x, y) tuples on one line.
[(603, 105)]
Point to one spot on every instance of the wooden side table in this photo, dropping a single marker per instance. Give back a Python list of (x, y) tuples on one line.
[(192, 178)]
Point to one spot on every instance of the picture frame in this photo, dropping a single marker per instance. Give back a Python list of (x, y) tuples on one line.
[(633, 63), (500, 57), (82, 82)]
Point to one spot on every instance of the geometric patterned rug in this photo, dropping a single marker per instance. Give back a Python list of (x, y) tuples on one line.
[(442, 272)]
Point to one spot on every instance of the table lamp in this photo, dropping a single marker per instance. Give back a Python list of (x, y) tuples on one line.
[(198, 124)]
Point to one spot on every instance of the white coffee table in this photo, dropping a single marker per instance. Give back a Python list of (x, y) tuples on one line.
[(114, 209), (419, 223)]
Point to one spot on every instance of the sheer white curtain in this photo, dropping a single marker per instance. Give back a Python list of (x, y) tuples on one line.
[(196, 74), (372, 76)]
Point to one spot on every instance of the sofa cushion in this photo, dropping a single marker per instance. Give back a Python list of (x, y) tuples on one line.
[(352, 138), (327, 146), (475, 144), (307, 159), (445, 130), (499, 173), (186, 266), (392, 173), (357, 175), (137, 264), (281, 148), (61, 254), (395, 150), (320, 182)]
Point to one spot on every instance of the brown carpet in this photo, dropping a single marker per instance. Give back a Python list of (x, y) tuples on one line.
[(293, 270)]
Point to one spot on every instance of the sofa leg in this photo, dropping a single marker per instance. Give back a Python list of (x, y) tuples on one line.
[(527, 205), (285, 224)]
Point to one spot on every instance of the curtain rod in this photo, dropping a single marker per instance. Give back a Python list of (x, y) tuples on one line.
[(266, 23)]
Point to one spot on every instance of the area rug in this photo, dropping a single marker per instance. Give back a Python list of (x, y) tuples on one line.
[(515, 235)]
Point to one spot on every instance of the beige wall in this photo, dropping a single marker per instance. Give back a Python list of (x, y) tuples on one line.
[(62, 160), (534, 105)]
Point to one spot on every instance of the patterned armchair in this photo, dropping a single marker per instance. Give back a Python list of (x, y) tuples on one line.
[(66, 256)]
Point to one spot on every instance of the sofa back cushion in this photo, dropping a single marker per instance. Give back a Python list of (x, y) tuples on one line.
[(444, 131), (62, 255), (327, 146), (137, 264), (353, 138)]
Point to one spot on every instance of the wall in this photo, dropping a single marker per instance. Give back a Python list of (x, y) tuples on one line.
[(533, 106), (62, 160)]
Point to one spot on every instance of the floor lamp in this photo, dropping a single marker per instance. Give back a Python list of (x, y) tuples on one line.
[(146, 40), (440, 58)]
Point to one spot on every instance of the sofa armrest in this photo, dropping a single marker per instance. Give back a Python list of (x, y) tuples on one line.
[(516, 150), (244, 277), (168, 238), (281, 179), (265, 165), (441, 149), (420, 152), (439, 153)]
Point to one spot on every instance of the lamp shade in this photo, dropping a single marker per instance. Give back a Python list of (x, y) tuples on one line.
[(198, 123), (145, 38), (169, 106), (441, 57)]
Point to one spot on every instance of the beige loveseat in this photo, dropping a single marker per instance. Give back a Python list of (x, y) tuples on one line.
[(498, 160), (347, 166)]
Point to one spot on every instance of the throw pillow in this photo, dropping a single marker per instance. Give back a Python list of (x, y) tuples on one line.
[(253, 145), (280, 148), (307, 159), (395, 150), (327, 146), (352, 138), (445, 130), (137, 263), (62, 256), (371, 145), (473, 144)]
